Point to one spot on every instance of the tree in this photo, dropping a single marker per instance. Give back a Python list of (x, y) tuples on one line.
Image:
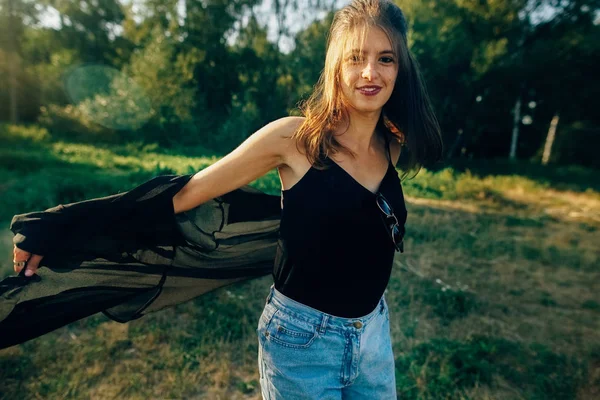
[(90, 28), (168, 81), (12, 15)]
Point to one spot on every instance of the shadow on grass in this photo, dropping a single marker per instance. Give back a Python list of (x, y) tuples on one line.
[(479, 234), (435, 368), (34, 179)]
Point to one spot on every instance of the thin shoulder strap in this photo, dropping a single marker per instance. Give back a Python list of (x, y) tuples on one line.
[(387, 146)]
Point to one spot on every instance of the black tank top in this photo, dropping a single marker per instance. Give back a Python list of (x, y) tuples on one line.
[(334, 252)]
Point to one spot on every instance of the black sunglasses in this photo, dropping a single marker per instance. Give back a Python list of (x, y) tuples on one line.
[(391, 222)]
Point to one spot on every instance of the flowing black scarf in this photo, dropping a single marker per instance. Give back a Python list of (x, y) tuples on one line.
[(129, 254)]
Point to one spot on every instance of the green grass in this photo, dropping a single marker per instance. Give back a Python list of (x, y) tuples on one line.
[(448, 367), (495, 297)]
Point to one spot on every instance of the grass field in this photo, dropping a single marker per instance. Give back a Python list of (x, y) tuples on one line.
[(495, 297)]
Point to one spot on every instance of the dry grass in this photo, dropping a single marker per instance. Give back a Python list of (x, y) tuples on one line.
[(527, 264)]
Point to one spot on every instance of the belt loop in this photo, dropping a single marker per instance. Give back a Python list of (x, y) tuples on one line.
[(321, 328), (270, 296)]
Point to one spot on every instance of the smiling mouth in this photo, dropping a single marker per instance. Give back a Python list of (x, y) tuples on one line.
[(369, 90)]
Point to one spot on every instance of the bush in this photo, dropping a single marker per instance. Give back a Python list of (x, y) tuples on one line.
[(23, 134), (73, 123), (432, 185)]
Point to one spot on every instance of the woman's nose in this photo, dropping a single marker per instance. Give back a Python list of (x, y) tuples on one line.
[(368, 71)]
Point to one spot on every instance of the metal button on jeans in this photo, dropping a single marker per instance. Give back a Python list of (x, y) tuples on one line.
[(357, 324)]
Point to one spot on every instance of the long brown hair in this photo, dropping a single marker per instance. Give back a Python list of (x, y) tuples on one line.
[(407, 116)]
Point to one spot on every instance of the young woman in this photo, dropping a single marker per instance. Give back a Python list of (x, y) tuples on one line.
[(324, 332)]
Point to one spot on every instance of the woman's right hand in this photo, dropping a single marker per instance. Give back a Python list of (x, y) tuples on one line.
[(33, 261)]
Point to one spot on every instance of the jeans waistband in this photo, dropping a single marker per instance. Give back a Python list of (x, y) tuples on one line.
[(319, 318)]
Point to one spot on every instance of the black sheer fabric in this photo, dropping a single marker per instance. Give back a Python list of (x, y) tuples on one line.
[(128, 254)]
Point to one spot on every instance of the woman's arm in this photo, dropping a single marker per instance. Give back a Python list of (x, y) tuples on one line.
[(261, 152)]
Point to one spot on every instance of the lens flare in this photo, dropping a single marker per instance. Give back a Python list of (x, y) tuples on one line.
[(108, 97)]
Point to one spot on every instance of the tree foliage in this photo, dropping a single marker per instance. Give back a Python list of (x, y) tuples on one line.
[(212, 71)]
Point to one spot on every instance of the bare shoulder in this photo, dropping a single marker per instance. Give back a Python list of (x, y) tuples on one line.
[(286, 128), (287, 125), (274, 138)]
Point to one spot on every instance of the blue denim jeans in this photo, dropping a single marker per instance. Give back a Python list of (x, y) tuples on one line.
[(304, 353)]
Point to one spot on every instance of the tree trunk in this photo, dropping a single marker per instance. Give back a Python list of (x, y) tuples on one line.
[(550, 139), (12, 60), (457, 141), (515, 131)]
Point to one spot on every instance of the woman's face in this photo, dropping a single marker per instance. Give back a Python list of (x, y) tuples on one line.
[(376, 67)]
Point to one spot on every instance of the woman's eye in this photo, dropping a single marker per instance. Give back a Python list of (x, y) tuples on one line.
[(356, 59)]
